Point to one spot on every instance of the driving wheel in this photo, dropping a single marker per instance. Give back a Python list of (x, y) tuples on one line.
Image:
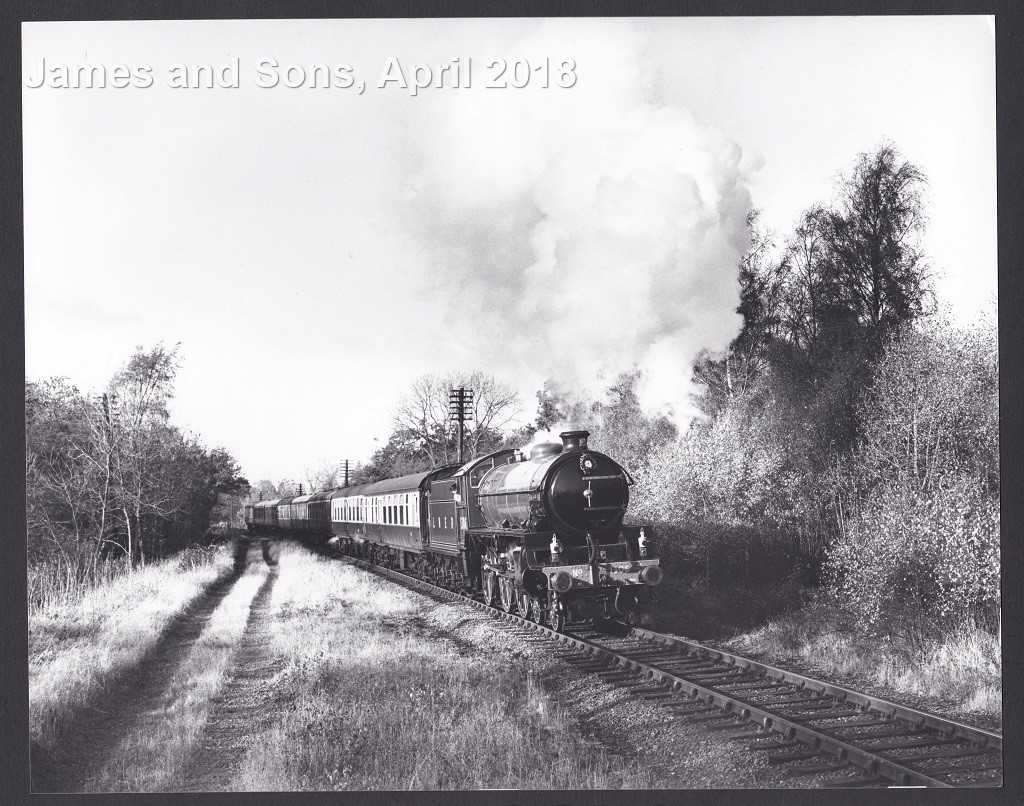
[(556, 616), (507, 595), (489, 588), (525, 608)]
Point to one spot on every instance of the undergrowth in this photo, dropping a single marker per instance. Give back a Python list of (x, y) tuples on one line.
[(960, 667)]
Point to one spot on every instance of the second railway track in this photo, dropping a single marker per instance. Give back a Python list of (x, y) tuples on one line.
[(843, 737)]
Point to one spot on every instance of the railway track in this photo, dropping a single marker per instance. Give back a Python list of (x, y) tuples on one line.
[(841, 737)]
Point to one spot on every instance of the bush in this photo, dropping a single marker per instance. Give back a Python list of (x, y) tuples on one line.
[(923, 488), (910, 556)]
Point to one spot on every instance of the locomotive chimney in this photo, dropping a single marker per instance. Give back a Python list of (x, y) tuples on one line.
[(574, 440)]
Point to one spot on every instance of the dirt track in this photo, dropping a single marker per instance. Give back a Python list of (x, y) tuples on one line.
[(245, 705), (92, 756)]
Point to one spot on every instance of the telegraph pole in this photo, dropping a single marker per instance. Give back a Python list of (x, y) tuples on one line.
[(344, 470), (460, 410)]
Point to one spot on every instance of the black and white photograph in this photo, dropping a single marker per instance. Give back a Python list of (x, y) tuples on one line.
[(512, 403)]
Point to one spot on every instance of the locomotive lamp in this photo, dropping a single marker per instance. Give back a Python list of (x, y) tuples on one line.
[(556, 549), (642, 540)]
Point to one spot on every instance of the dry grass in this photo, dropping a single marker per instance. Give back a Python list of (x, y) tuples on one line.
[(52, 585), (155, 750), (375, 702), (80, 643), (56, 585), (962, 670)]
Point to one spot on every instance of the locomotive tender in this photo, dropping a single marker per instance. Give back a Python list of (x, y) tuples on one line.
[(541, 536)]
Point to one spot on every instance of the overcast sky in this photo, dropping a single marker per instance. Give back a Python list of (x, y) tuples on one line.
[(315, 249)]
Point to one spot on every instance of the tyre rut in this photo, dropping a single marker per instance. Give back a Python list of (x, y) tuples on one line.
[(246, 704), (98, 727)]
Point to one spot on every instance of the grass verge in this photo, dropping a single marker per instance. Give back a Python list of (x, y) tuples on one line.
[(960, 672), (153, 752), (79, 646), (374, 701)]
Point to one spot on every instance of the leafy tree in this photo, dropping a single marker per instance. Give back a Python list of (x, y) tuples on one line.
[(288, 487), (112, 476), (781, 405), (402, 454), (264, 490), (556, 408), (874, 267)]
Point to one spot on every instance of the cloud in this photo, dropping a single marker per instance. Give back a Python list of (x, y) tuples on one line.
[(575, 237)]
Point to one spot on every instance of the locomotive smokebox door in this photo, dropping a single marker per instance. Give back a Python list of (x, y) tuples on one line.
[(586, 492)]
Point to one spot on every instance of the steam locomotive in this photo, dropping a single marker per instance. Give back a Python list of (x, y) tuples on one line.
[(542, 536)]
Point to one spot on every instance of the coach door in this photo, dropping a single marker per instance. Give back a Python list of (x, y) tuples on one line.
[(442, 515)]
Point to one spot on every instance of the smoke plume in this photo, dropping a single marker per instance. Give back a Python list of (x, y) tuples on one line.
[(579, 233)]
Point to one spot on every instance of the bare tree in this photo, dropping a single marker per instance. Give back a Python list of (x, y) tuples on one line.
[(144, 386), (423, 415), (325, 476)]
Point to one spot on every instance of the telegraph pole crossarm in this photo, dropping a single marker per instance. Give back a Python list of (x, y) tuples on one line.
[(460, 410)]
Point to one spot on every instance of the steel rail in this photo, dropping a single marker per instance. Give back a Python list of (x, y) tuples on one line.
[(791, 729), (985, 738)]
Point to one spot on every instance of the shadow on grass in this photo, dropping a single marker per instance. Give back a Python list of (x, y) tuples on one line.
[(92, 730), (723, 613), (245, 705)]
